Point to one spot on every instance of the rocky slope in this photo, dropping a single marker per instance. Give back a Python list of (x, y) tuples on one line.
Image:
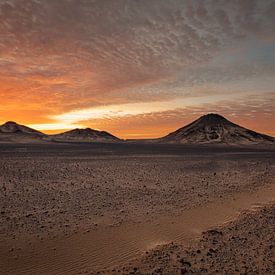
[(16, 133), (85, 135), (214, 128), (245, 246), (13, 132)]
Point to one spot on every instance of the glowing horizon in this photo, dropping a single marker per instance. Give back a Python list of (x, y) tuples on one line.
[(136, 68)]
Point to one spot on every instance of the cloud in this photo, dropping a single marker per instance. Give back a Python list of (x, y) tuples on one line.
[(63, 56), (121, 44), (253, 112)]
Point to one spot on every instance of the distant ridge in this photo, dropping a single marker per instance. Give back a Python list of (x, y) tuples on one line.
[(85, 135), (214, 128), (13, 127), (17, 133), (208, 129), (14, 132)]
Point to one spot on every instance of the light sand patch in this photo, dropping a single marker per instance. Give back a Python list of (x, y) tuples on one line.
[(116, 245)]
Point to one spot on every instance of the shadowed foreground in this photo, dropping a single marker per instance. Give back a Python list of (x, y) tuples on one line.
[(245, 246), (70, 208)]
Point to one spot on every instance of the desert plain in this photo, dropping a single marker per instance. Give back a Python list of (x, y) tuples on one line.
[(129, 208)]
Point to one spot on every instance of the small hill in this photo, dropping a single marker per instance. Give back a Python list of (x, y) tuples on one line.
[(85, 135), (14, 132), (214, 128)]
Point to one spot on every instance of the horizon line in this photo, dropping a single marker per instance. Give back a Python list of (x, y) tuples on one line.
[(64, 130)]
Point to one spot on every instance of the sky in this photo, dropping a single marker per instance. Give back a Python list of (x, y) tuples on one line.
[(136, 68)]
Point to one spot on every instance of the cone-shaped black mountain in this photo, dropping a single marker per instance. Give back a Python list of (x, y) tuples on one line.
[(87, 134), (211, 128), (214, 128)]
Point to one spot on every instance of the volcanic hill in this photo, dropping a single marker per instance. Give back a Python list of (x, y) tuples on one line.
[(214, 128), (85, 135)]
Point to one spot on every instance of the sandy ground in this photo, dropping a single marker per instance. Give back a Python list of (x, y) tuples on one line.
[(50, 195), (245, 246)]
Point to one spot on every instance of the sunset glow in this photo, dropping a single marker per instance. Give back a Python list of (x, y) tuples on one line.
[(137, 69)]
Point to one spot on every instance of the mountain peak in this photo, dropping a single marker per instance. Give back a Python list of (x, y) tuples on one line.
[(12, 127), (214, 128), (85, 134), (212, 119), (10, 123), (212, 116)]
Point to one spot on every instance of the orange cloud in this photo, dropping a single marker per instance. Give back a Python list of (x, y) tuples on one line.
[(65, 58)]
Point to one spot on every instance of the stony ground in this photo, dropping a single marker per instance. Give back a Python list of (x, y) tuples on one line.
[(45, 195), (245, 246), (49, 192)]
